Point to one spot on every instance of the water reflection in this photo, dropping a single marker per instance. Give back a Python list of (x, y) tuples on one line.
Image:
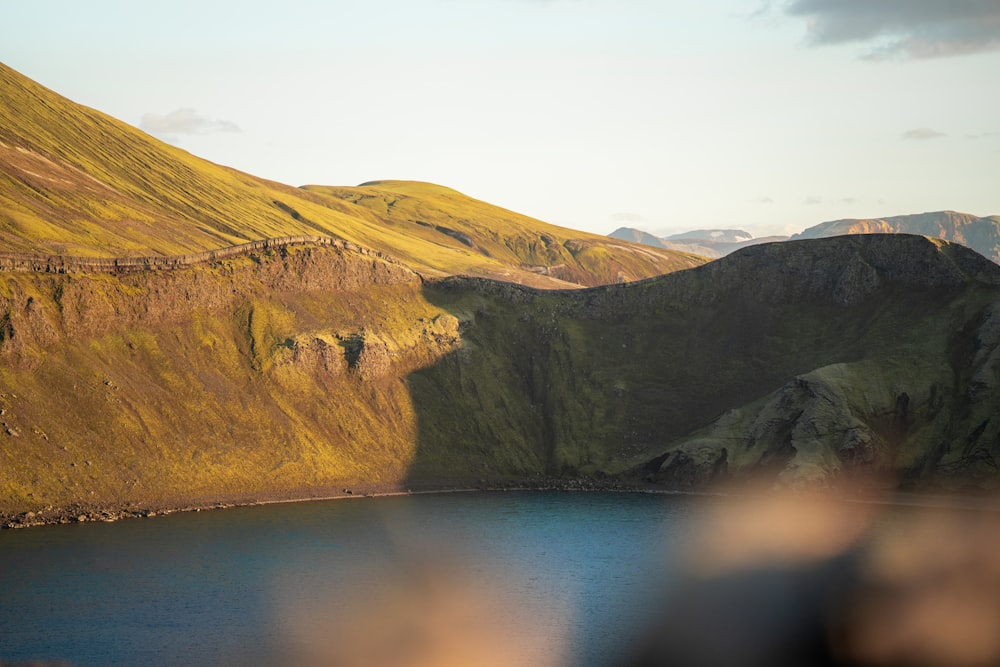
[(518, 578)]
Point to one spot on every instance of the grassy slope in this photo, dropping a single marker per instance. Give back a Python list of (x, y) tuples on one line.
[(276, 373), (564, 385), (74, 181), (473, 232)]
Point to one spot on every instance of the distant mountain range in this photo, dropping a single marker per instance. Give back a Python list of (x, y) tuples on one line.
[(712, 243), (982, 234)]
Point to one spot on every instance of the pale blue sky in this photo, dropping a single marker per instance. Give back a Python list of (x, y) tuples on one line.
[(664, 115)]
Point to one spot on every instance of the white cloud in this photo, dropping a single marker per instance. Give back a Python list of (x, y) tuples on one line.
[(185, 121), (904, 28), (627, 217), (812, 200), (922, 133)]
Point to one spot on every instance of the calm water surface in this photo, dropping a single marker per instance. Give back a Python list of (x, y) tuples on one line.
[(561, 577)]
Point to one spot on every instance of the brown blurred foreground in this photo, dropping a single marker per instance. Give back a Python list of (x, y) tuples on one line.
[(765, 580), (804, 580)]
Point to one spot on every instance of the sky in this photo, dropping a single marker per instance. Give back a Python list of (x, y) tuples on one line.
[(664, 115)]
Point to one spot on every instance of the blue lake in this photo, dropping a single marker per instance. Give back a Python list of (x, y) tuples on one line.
[(511, 577)]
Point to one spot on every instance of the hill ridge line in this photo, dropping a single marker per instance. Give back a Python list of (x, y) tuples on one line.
[(31, 263)]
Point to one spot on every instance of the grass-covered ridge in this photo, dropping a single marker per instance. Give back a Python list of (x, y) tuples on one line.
[(74, 181)]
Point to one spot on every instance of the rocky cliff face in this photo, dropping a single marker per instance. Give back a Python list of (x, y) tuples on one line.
[(802, 362), (272, 371)]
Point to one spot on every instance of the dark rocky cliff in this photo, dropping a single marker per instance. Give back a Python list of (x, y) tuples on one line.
[(802, 361)]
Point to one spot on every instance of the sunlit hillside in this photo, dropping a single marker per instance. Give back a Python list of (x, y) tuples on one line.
[(74, 181)]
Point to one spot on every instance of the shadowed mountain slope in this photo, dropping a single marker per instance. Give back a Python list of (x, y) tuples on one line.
[(801, 360), (76, 182)]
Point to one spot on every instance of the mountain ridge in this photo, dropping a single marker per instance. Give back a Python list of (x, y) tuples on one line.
[(981, 233), (74, 181), (711, 342)]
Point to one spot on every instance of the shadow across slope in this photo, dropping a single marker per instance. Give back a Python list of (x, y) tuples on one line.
[(802, 360)]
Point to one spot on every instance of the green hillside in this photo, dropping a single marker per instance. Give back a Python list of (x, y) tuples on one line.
[(74, 181), (805, 362)]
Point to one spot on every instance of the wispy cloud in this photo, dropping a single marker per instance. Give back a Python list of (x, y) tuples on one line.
[(185, 121), (626, 216), (763, 200), (812, 200), (763, 10), (922, 133), (905, 29)]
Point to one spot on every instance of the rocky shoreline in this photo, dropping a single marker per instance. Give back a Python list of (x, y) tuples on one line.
[(79, 513), (110, 512)]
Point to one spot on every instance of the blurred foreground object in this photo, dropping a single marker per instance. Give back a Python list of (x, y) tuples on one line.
[(787, 579), (427, 612)]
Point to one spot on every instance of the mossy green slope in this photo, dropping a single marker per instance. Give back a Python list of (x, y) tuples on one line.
[(294, 370), (74, 181), (274, 373), (802, 360), (473, 232)]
